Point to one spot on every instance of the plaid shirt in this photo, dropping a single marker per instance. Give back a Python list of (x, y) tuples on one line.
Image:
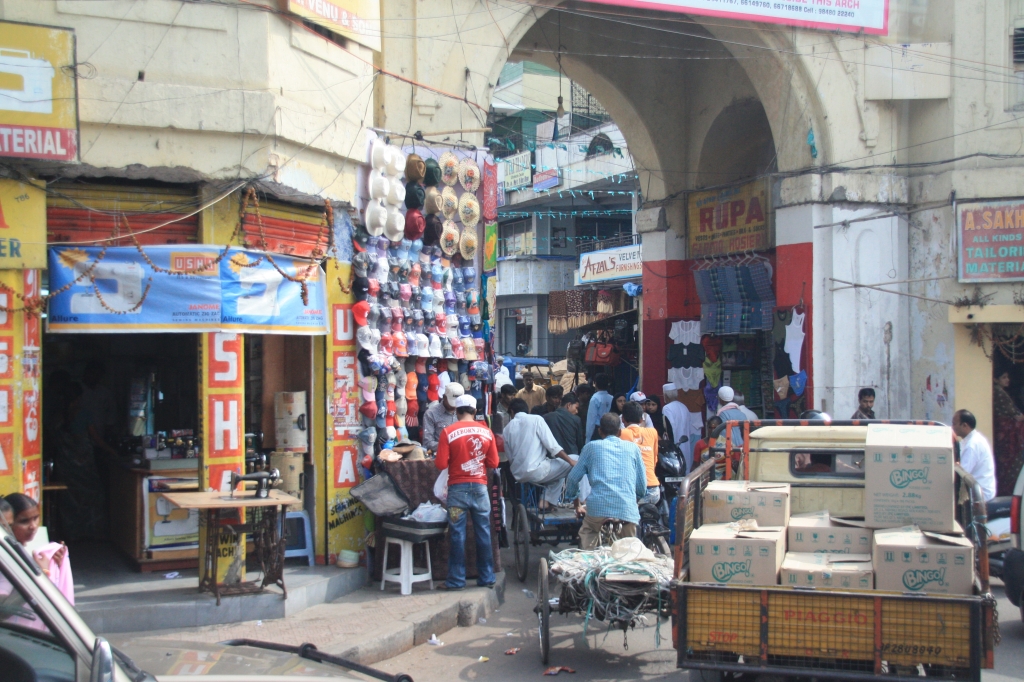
[(617, 479)]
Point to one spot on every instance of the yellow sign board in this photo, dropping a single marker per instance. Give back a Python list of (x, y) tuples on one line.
[(358, 20), (729, 220), (22, 226), (38, 93)]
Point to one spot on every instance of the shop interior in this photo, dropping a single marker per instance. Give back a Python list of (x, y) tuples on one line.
[(121, 418)]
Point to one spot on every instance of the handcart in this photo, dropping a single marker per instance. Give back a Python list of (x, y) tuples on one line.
[(595, 584), (532, 525)]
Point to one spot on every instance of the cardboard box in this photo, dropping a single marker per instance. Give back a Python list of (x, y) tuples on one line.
[(909, 560), (729, 501), (908, 477), (821, 533), (737, 554), (843, 571)]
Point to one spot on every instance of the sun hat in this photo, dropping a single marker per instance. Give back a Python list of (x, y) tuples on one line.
[(414, 224), (376, 218), (469, 210), (432, 201), (394, 228), (450, 238), (415, 169), (414, 195), (396, 192), (449, 203), (380, 155), (377, 185), (431, 173), (468, 243), (469, 174), (449, 168), (396, 162)]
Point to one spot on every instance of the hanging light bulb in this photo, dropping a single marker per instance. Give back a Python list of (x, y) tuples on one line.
[(560, 111)]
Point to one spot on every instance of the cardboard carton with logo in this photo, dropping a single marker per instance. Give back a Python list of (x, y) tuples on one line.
[(736, 553), (910, 560), (730, 501), (822, 533), (843, 571), (908, 477)]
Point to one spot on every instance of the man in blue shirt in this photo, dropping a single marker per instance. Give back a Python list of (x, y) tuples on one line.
[(617, 480), (600, 404), (729, 411)]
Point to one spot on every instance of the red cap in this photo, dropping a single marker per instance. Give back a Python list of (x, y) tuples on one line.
[(412, 417), (433, 383), (415, 223), (369, 409), (411, 382), (387, 344), (401, 344), (392, 411), (359, 312)]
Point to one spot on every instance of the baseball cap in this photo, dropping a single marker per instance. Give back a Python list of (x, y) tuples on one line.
[(368, 409), (415, 249), (359, 312), (637, 397), (412, 417), (368, 338), (411, 382), (464, 325), (391, 411), (465, 401), (387, 343), (457, 282), (361, 264), (428, 299), (397, 315), (360, 288), (414, 274), (433, 384), (452, 391), (470, 349), (423, 344), (360, 237), (446, 348), (434, 347), (441, 320), (401, 345)]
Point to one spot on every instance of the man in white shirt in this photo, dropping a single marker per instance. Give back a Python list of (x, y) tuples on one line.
[(533, 453), (975, 452), (685, 424)]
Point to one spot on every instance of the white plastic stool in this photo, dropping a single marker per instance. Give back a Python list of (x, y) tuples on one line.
[(299, 544), (406, 573)]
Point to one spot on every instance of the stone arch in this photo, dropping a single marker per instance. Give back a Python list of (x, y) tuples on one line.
[(738, 145)]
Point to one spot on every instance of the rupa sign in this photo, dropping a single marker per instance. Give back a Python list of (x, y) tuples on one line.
[(610, 264)]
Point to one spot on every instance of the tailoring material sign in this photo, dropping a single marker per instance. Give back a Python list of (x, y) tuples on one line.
[(730, 220), (624, 262), (517, 171), (22, 225), (358, 20), (854, 16), (345, 523), (38, 92), (183, 289), (991, 241)]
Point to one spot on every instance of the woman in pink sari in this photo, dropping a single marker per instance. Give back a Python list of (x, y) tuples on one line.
[(52, 558)]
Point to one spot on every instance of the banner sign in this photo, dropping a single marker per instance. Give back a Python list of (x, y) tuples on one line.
[(38, 92), (120, 291), (546, 179), (991, 241), (854, 16), (14, 470), (22, 225), (730, 220), (358, 20), (610, 264), (518, 171)]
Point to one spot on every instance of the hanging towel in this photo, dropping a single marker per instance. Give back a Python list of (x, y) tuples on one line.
[(798, 382)]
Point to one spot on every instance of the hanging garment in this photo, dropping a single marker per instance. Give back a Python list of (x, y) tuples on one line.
[(685, 331), (781, 364), (685, 355), (686, 378), (713, 372), (781, 388), (798, 382), (712, 347), (795, 340), (711, 397), (694, 400), (783, 317)]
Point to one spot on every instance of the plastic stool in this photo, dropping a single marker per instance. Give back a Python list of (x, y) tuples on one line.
[(406, 573), (300, 543)]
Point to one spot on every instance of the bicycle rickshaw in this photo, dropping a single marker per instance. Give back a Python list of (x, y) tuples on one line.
[(532, 525)]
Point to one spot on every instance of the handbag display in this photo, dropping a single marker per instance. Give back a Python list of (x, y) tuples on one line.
[(602, 351)]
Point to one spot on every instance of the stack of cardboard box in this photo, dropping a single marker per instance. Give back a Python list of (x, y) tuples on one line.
[(909, 540)]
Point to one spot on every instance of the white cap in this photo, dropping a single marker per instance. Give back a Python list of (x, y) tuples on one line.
[(726, 394), (668, 388), (454, 390), (465, 400), (638, 396)]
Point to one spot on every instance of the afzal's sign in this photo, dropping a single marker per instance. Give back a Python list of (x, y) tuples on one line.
[(601, 266)]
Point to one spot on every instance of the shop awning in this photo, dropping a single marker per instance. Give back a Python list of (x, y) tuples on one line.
[(735, 299), (609, 322), (186, 288)]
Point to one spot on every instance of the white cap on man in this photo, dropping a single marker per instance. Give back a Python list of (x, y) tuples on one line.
[(465, 401), (452, 391), (726, 394), (668, 389)]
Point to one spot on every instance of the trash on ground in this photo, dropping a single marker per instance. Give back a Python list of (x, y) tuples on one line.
[(513, 651), (482, 659), (529, 594), (481, 621), (434, 641), (558, 669), (172, 575)]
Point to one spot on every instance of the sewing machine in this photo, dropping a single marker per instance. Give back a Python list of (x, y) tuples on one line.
[(120, 285), (263, 479)]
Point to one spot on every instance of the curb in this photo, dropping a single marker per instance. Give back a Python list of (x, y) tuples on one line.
[(462, 611)]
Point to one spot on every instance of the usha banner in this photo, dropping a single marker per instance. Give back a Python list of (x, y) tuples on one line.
[(855, 16), (120, 291)]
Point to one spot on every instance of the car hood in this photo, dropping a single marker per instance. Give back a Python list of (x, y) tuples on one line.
[(181, 661)]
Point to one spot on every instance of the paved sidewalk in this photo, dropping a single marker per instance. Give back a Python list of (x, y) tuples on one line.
[(365, 626)]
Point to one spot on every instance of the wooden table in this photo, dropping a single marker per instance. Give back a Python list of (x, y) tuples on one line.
[(267, 540)]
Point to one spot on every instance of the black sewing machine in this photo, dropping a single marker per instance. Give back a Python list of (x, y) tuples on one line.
[(263, 479)]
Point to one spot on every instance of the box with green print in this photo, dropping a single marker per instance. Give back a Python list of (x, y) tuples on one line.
[(736, 553), (730, 501), (910, 560)]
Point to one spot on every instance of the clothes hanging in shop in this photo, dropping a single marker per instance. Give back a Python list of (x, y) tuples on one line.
[(694, 400), (686, 378), (795, 340), (686, 355), (713, 372), (712, 347), (781, 364), (783, 317), (781, 388), (685, 332), (798, 382)]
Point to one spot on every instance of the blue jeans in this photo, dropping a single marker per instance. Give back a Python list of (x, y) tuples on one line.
[(653, 496), (469, 499)]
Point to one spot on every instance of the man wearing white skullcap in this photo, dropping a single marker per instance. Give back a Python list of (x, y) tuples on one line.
[(730, 411)]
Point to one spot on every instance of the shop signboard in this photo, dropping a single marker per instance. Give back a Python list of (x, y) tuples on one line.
[(490, 247), (22, 225), (546, 179), (518, 171), (853, 16), (345, 522), (14, 477), (358, 20), (624, 262), (38, 92), (30, 408), (729, 220), (183, 289), (991, 235)]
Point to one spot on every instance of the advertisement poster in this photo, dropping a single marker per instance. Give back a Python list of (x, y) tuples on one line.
[(117, 290), (490, 247), (991, 241), (854, 16), (518, 171), (358, 20), (38, 93), (490, 190), (22, 225), (624, 262), (15, 475), (345, 522), (730, 220), (167, 525)]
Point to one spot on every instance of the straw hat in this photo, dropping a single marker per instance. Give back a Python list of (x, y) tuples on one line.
[(449, 238), (415, 169), (449, 168), (376, 218), (394, 229), (432, 173), (449, 203), (432, 201), (469, 174), (380, 155), (468, 243), (377, 185), (396, 163), (469, 209), (396, 192)]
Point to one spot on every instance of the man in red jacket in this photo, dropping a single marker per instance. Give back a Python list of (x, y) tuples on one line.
[(467, 450)]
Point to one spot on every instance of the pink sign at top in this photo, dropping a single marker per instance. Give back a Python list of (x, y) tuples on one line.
[(854, 16)]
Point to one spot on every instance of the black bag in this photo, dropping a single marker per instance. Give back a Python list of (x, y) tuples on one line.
[(382, 496), (574, 356), (412, 530)]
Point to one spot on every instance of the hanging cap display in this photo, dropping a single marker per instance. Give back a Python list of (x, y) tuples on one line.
[(433, 230), (394, 227), (396, 162), (415, 224), (449, 238), (414, 195), (431, 173), (469, 174), (376, 218), (415, 169), (432, 201), (469, 210)]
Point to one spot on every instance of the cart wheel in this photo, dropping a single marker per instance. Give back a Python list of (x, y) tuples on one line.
[(661, 546), (521, 541), (543, 610)]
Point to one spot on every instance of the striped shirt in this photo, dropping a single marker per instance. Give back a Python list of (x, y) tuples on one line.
[(617, 479)]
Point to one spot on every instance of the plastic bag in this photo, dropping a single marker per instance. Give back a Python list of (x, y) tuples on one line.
[(441, 487), (430, 513)]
